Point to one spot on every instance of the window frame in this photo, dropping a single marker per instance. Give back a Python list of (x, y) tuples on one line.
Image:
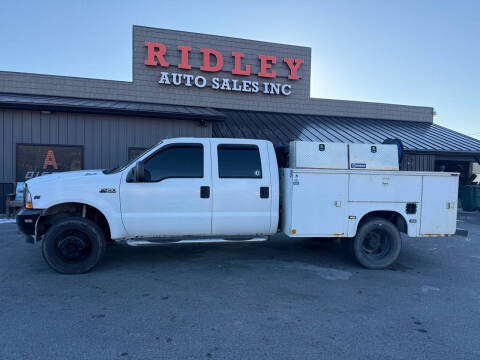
[(185, 145), (239, 146)]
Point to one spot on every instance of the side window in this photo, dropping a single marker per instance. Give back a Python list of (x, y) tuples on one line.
[(239, 161), (176, 161)]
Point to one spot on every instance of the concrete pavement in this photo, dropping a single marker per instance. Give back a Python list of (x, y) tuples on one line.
[(284, 299)]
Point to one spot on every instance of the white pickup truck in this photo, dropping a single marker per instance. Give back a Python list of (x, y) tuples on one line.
[(185, 190)]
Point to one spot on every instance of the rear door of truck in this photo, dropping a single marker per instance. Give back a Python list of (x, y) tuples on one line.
[(241, 187)]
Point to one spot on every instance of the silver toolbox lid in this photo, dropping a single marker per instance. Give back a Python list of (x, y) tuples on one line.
[(373, 156), (318, 155)]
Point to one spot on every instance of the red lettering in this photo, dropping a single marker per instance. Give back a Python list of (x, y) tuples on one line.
[(184, 50), (156, 56), (155, 50), (206, 60), (293, 68), (266, 62), (50, 160), (237, 64)]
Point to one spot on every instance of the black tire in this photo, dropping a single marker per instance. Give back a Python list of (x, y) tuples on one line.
[(73, 245), (377, 244)]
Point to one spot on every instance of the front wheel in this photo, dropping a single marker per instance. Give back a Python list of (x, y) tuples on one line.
[(73, 245), (377, 244)]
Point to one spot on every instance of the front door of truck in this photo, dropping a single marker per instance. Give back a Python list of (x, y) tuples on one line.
[(242, 194), (175, 198)]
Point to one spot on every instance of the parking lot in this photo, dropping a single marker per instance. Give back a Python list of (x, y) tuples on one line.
[(283, 299)]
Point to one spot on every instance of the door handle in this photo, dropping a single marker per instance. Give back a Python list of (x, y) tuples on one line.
[(264, 192), (204, 192)]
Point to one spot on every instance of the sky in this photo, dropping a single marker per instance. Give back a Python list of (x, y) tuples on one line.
[(424, 53)]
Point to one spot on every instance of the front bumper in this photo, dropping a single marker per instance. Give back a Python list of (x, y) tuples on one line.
[(27, 219)]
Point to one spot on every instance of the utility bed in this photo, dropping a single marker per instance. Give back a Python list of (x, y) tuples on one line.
[(329, 203)]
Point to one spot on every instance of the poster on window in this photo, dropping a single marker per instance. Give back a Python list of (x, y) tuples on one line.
[(37, 160)]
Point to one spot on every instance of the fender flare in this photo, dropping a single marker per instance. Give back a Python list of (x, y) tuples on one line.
[(401, 225), (80, 202)]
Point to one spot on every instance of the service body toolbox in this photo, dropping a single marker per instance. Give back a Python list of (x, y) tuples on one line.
[(317, 155), (373, 156), (328, 203)]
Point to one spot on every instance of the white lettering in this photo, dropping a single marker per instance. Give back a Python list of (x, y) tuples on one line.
[(225, 84), (235, 85), (286, 89), (177, 79), (274, 88), (164, 78), (188, 79), (265, 88), (246, 85), (201, 83)]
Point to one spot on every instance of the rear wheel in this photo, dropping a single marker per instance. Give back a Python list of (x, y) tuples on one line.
[(73, 245), (377, 244)]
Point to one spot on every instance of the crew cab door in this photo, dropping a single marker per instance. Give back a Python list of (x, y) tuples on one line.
[(175, 198), (242, 194)]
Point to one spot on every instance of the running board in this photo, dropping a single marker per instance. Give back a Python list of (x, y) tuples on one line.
[(133, 242)]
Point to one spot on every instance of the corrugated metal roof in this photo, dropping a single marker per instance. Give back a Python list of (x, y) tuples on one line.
[(56, 103), (282, 128), (279, 128)]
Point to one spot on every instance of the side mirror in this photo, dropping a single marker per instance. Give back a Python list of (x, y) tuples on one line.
[(140, 171)]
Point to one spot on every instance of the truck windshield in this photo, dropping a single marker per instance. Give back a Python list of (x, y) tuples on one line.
[(119, 168)]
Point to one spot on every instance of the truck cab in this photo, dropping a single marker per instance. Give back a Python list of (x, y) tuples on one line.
[(201, 187), (181, 188)]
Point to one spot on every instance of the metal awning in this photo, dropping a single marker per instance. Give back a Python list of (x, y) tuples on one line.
[(94, 106), (282, 128)]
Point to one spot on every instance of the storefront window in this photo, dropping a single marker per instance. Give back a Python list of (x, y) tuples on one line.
[(36, 160)]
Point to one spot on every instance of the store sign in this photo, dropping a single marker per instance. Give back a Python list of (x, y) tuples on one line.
[(36, 160), (213, 62)]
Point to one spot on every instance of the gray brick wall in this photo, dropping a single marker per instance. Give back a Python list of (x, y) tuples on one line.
[(145, 87)]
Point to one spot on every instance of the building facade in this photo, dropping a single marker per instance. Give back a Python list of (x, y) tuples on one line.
[(188, 84)]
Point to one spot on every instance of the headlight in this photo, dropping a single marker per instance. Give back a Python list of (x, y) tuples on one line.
[(27, 198)]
